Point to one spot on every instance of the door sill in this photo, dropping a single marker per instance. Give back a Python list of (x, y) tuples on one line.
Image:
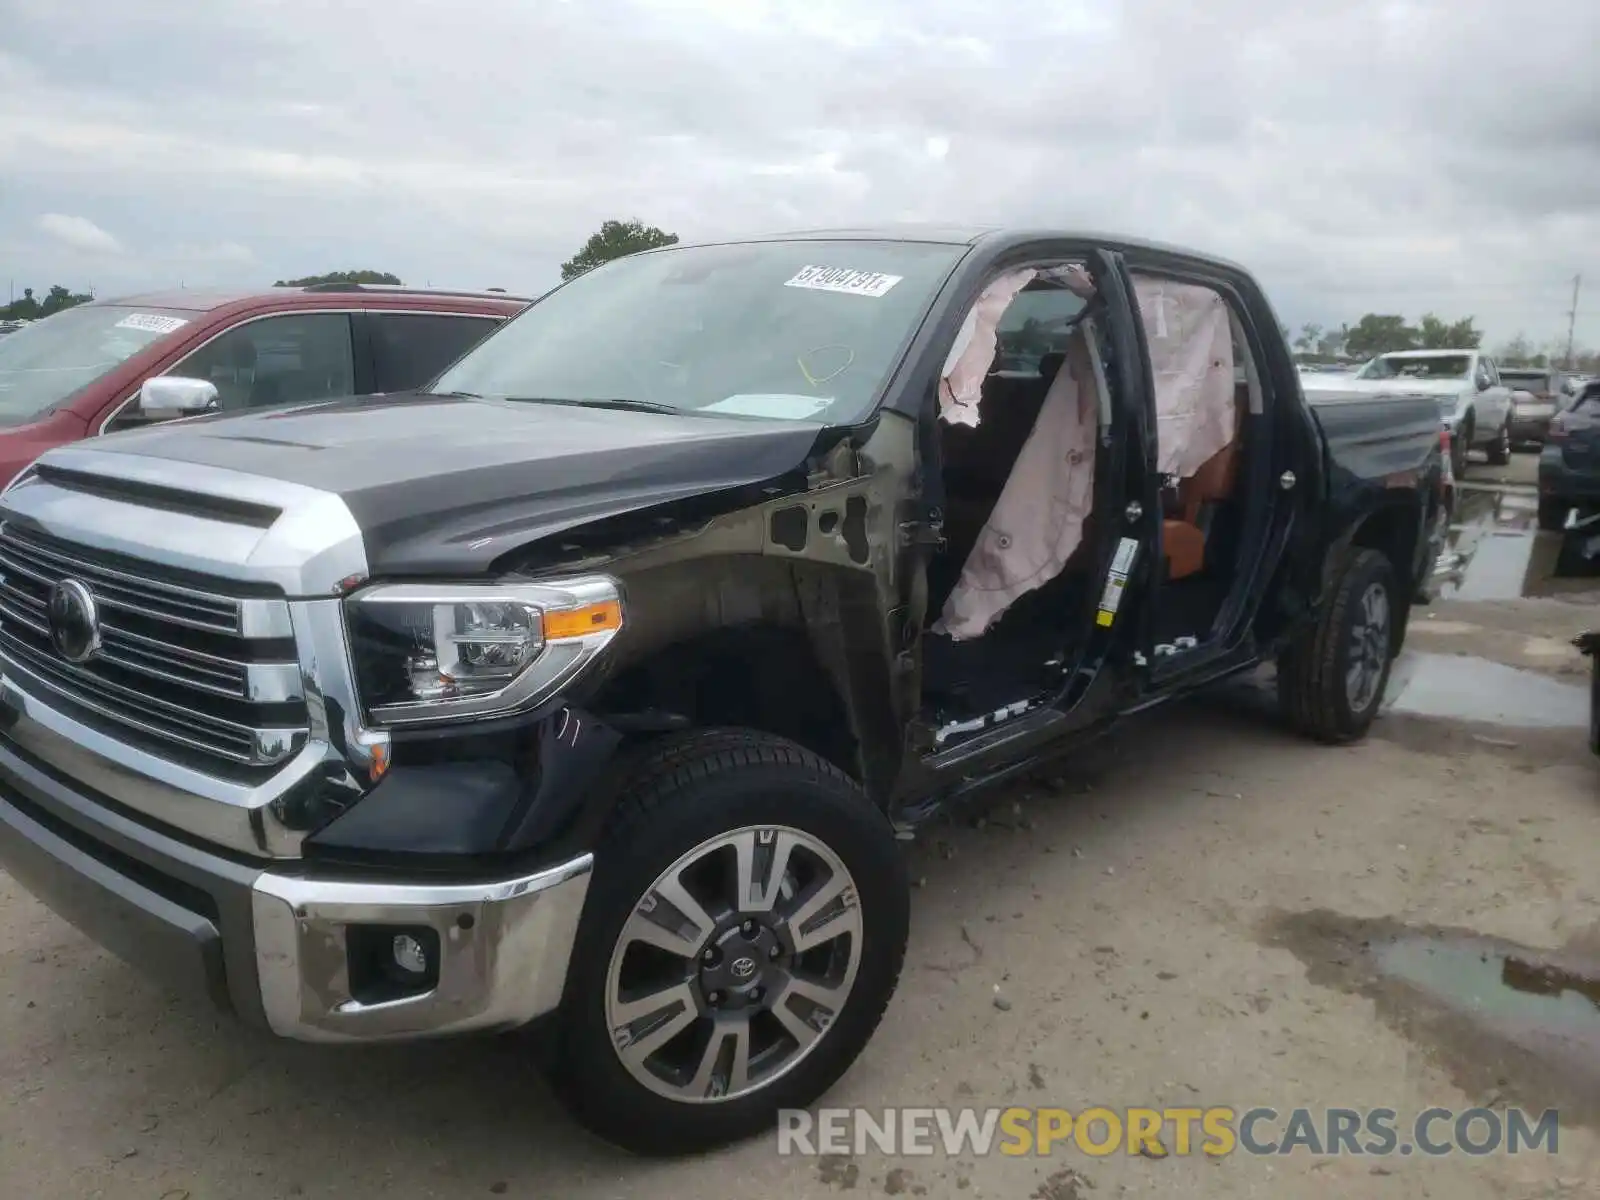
[(1211, 656)]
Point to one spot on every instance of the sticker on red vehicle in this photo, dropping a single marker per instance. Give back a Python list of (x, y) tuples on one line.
[(151, 322)]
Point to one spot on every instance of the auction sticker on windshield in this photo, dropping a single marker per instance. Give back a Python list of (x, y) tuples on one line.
[(151, 323), (842, 279)]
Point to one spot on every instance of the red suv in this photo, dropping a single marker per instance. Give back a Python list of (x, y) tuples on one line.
[(78, 373)]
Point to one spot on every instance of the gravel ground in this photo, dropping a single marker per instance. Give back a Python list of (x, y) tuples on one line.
[(1162, 922)]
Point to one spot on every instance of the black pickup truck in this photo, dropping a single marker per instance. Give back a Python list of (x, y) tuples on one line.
[(599, 681)]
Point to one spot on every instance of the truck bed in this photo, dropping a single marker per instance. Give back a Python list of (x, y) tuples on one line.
[(1375, 437)]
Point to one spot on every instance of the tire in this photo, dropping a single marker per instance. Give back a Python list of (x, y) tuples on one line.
[(1553, 513), (1314, 674), (1500, 448), (690, 792)]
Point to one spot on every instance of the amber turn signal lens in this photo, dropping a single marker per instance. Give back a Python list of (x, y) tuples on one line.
[(575, 622)]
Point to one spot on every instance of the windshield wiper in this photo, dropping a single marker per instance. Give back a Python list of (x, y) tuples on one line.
[(621, 402)]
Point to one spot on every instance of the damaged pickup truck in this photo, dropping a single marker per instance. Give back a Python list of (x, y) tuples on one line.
[(598, 682)]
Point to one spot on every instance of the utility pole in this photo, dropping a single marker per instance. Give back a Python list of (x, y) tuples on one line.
[(1572, 318)]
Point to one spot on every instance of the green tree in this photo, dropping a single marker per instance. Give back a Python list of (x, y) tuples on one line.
[(1518, 352), (342, 277), (1310, 335), (1434, 334), (615, 239), (1377, 333), (25, 309), (59, 297), (31, 308)]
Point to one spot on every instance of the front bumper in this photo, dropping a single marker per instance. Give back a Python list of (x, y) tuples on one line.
[(273, 945)]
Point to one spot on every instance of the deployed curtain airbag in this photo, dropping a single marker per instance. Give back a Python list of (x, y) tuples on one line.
[(1037, 523), (961, 386), (1188, 329)]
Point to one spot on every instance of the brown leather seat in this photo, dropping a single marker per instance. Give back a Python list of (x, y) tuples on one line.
[(1183, 536)]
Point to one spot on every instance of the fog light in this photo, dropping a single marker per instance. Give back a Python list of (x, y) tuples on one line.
[(391, 962), (409, 955)]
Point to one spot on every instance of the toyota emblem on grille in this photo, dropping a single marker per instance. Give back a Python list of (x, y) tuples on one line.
[(74, 621)]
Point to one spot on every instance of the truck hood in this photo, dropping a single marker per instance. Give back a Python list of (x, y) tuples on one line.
[(442, 485)]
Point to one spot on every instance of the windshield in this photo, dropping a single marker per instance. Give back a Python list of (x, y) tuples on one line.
[(1430, 366), (46, 361), (802, 330)]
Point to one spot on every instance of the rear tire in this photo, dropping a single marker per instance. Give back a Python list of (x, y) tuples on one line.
[(1500, 448), (707, 820), (1553, 513), (1331, 681)]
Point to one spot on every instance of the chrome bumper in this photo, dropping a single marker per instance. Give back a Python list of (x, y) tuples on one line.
[(267, 940), (504, 950)]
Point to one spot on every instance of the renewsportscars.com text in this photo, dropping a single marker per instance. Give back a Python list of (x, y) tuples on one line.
[(1158, 1132)]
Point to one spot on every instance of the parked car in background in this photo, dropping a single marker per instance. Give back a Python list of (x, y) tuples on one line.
[(80, 372), (10, 327), (1537, 395), (1569, 464), (1473, 402)]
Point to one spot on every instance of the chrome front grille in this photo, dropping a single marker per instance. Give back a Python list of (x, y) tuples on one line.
[(182, 664)]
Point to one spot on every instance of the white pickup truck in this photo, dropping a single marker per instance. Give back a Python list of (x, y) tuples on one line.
[(1474, 403)]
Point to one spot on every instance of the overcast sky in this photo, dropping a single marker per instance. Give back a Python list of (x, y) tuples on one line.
[(1400, 156)]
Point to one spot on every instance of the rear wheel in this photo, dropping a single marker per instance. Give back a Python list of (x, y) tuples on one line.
[(1500, 448), (742, 937), (1552, 513), (1332, 679)]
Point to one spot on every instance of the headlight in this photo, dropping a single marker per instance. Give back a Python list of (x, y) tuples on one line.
[(430, 653)]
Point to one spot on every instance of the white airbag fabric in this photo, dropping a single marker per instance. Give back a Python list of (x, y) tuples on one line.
[(1037, 522), (961, 386), (1191, 358)]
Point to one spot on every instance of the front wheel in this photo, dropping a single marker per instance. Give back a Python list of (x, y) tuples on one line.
[(741, 940), (1332, 679), (1500, 448)]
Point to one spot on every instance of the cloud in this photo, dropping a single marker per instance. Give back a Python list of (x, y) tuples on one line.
[(1388, 155), (78, 233)]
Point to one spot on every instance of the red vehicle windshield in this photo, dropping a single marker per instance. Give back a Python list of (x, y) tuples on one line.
[(50, 360)]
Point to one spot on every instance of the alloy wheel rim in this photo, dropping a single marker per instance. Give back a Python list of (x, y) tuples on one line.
[(734, 964), (1369, 648)]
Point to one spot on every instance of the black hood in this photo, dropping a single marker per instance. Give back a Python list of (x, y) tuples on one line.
[(441, 485)]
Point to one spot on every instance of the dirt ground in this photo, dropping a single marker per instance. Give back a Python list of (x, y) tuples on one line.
[(1177, 918)]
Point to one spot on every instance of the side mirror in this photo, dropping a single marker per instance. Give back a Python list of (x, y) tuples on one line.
[(168, 396)]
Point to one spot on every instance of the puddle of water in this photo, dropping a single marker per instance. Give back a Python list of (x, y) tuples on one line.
[(1495, 551), (1495, 985), (1507, 1021), (1490, 547), (1475, 689)]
